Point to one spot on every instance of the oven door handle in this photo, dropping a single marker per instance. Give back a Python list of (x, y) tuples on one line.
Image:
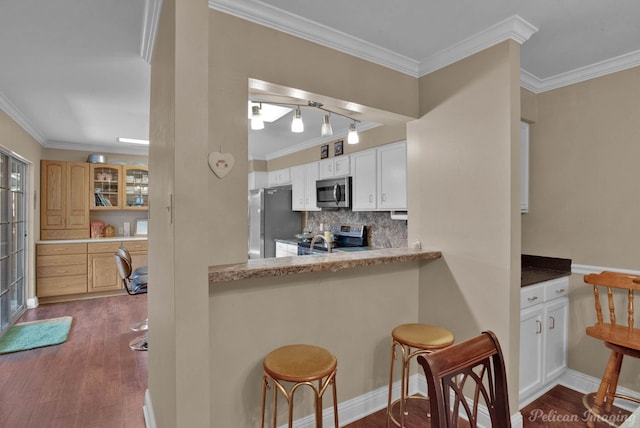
[(337, 194)]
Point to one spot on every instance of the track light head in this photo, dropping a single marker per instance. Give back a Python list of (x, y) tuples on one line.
[(326, 130), (296, 124)]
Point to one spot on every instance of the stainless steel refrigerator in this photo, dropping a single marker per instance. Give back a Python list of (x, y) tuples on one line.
[(270, 218)]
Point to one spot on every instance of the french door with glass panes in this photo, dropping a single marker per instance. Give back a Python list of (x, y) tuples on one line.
[(12, 240)]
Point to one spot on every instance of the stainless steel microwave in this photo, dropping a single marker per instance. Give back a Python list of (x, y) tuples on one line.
[(332, 193)]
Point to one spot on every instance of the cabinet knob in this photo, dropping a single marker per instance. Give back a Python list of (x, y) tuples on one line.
[(532, 298), (560, 291)]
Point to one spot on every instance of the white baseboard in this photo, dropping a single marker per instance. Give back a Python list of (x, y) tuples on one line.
[(584, 383), (147, 410), (32, 302)]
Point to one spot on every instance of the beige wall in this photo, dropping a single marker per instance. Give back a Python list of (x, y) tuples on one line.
[(463, 163), (178, 247), (315, 308), (584, 196), (17, 141)]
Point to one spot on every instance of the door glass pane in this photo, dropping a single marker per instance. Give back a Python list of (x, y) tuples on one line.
[(4, 205), (4, 312), (17, 206), (4, 275), (4, 168)]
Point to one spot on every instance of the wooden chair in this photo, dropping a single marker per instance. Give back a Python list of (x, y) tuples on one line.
[(622, 339), (474, 366)]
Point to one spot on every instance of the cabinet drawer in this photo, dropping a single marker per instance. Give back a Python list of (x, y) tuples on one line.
[(61, 270), (61, 286), (103, 247), (54, 249), (531, 295), (556, 288), (61, 260), (135, 245)]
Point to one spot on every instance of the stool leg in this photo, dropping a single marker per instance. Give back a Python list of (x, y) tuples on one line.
[(404, 385), (318, 403), (275, 406), (264, 400), (613, 383), (393, 359), (604, 390)]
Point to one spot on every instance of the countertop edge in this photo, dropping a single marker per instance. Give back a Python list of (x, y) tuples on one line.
[(91, 240), (281, 266)]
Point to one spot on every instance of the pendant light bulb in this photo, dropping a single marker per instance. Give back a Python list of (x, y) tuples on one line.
[(326, 130), (352, 136), (296, 124), (256, 118)]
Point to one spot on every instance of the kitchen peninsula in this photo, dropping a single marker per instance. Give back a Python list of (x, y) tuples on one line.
[(347, 303)]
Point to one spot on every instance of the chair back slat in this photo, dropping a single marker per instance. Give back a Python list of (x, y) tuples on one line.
[(614, 280)]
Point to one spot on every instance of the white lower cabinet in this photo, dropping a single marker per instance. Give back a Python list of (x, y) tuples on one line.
[(303, 187), (284, 249), (544, 310)]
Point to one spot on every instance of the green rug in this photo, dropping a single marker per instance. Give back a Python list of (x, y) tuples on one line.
[(35, 334)]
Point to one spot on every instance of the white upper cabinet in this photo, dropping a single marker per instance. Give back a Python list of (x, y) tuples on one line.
[(303, 187), (380, 178), (334, 167), (524, 167), (279, 177)]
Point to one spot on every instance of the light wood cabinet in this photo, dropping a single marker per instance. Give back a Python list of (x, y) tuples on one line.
[(135, 193), (64, 200), (61, 269), (76, 269), (106, 186)]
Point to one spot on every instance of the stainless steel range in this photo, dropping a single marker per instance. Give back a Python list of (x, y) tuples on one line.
[(346, 237)]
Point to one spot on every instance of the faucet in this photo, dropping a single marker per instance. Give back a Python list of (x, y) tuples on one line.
[(319, 236)]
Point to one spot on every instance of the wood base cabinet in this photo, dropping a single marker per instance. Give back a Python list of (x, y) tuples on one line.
[(543, 336)]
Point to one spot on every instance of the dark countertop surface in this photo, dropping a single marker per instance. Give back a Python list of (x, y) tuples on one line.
[(537, 269)]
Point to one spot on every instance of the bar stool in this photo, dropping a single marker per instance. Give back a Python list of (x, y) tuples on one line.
[(300, 365), (412, 340)]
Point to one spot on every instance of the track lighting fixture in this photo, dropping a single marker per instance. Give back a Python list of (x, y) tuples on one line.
[(256, 118), (296, 124), (352, 136), (326, 130)]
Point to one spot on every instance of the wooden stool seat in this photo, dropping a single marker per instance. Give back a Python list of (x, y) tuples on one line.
[(300, 365), (412, 340)]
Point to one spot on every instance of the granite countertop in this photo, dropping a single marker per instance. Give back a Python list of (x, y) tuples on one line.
[(537, 269), (90, 240), (281, 266)]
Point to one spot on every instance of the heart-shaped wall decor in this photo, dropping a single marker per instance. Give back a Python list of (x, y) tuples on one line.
[(221, 163)]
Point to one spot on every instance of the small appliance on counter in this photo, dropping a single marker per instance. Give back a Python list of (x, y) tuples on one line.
[(346, 237)]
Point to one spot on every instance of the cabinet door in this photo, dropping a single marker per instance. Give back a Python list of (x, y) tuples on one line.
[(392, 167), (106, 186), (103, 274), (78, 196), (53, 176), (310, 177), (531, 342), (297, 188), (341, 166), (556, 330), (363, 168), (135, 188), (326, 168)]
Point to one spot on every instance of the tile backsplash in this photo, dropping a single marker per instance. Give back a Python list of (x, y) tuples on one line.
[(382, 231)]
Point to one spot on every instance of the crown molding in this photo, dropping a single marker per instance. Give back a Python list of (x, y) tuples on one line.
[(152, 9), (514, 28), (120, 148), (286, 22), (602, 68), (14, 113)]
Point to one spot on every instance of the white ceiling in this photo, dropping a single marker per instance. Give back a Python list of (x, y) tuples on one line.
[(75, 73)]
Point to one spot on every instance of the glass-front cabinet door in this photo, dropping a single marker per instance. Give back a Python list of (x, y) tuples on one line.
[(13, 220), (136, 185), (106, 186)]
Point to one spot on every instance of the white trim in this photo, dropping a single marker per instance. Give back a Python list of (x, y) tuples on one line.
[(120, 148), (602, 68), (514, 28), (147, 411), (286, 22), (584, 383), (152, 9), (14, 113), (32, 302), (587, 269)]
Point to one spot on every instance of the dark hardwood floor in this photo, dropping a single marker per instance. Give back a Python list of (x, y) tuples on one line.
[(93, 380)]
